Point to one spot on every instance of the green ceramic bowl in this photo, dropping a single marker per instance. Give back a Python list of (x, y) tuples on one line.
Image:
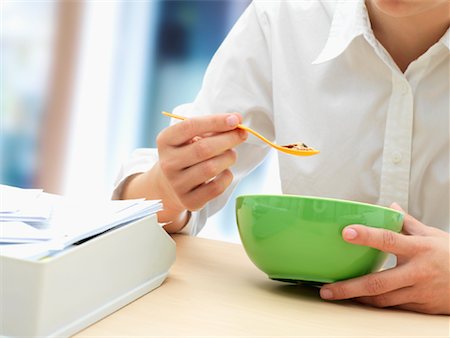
[(298, 238)]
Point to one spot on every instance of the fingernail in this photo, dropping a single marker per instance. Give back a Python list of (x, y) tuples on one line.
[(243, 134), (326, 293), (232, 120), (349, 233)]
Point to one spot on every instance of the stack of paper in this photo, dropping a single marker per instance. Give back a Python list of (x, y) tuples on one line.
[(34, 224), (28, 205)]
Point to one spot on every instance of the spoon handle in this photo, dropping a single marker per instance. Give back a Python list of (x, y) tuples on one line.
[(258, 135), (173, 115), (285, 149), (240, 126)]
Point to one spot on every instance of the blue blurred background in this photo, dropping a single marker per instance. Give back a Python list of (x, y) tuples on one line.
[(83, 82)]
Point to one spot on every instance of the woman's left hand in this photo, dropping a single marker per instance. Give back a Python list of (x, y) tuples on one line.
[(421, 280)]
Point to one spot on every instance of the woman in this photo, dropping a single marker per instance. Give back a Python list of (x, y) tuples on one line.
[(367, 83)]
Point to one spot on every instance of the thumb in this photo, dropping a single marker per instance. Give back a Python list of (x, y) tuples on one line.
[(411, 226), (397, 207)]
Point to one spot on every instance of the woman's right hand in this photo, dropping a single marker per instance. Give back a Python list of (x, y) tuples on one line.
[(194, 160)]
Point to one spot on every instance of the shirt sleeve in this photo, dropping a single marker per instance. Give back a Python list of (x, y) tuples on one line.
[(238, 79), (141, 160)]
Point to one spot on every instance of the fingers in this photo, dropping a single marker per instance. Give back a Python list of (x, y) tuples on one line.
[(401, 299), (210, 147), (422, 308), (173, 160), (369, 285), (183, 132), (198, 197), (202, 172), (388, 299), (412, 226), (381, 239), (196, 151)]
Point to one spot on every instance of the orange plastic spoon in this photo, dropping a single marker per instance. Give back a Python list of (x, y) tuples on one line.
[(297, 149)]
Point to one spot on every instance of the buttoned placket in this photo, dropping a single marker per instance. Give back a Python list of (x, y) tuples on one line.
[(396, 163), (397, 154), (397, 148)]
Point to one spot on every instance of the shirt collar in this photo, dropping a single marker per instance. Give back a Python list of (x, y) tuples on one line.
[(349, 21)]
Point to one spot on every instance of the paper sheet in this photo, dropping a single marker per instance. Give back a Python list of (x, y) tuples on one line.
[(45, 223)]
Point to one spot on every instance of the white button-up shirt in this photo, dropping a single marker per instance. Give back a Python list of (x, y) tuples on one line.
[(313, 71)]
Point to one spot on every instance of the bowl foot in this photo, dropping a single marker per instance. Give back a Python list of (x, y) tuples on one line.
[(298, 281)]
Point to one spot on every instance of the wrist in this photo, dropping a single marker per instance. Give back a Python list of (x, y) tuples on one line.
[(152, 184), (178, 223)]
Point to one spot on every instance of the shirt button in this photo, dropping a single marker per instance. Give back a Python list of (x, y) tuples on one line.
[(396, 157), (403, 88)]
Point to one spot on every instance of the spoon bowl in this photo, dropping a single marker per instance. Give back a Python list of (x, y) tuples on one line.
[(297, 149)]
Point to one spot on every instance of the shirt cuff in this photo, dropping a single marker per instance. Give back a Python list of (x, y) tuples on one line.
[(191, 225), (141, 161)]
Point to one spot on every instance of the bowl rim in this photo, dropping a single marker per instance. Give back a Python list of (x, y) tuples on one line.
[(322, 199)]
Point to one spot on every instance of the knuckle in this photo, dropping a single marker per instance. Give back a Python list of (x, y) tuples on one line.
[(434, 273), (423, 274), (374, 285), (237, 139), (227, 177), (161, 139), (178, 186), (202, 149), (389, 240), (423, 244), (191, 204), (340, 292), (169, 166), (216, 187), (187, 128), (413, 275), (209, 169), (418, 274), (219, 123), (166, 165), (233, 156), (380, 301), (428, 296), (415, 245)]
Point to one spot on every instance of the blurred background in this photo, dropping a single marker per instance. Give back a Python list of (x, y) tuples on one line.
[(83, 82)]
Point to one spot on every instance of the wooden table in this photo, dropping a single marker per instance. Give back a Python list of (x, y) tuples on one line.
[(213, 289)]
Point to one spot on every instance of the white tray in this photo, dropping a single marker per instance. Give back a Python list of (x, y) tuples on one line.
[(59, 296)]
